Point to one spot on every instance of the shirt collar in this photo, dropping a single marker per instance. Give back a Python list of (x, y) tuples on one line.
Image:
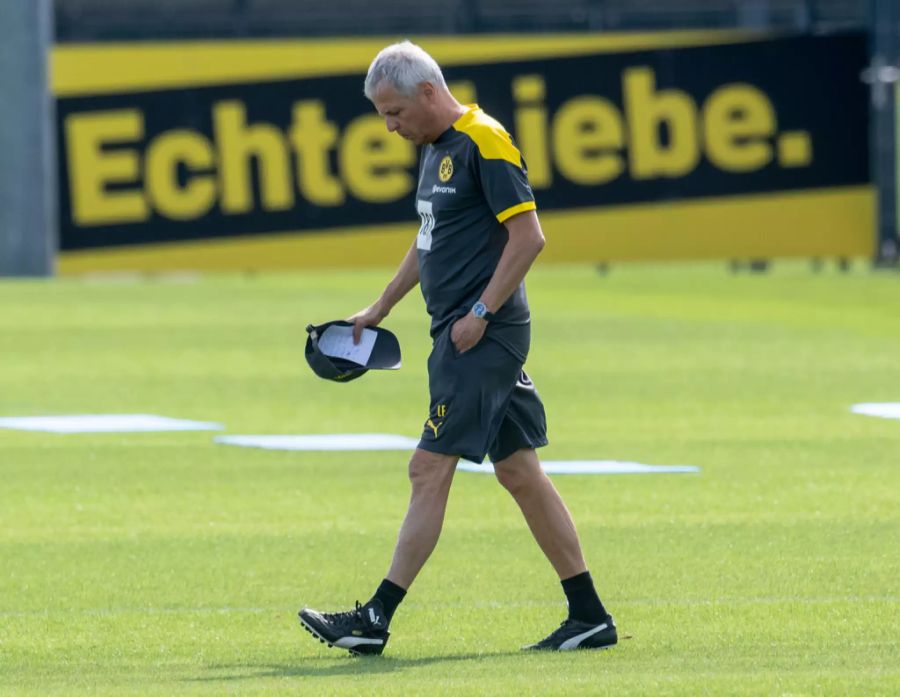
[(459, 124)]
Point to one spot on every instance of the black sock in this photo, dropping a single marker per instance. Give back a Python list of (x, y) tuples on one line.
[(584, 604), (389, 595)]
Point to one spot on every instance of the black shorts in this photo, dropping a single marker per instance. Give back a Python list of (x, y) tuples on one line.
[(482, 403)]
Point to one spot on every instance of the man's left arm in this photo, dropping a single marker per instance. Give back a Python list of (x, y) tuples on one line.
[(526, 240)]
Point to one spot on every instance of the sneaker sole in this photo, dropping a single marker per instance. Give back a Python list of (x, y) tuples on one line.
[(362, 650), (579, 648)]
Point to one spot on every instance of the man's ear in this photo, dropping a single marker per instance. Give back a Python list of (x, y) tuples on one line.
[(428, 91)]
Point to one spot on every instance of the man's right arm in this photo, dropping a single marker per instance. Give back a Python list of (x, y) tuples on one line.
[(406, 278)]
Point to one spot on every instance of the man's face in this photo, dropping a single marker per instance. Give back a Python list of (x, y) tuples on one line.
[(411, 117)]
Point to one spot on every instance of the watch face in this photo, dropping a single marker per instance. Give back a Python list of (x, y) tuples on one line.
[(478, 309)]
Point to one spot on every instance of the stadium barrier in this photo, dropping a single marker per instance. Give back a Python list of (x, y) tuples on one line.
[(678, 145)]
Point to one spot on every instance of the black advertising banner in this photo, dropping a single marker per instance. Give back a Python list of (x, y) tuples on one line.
[(599, 130)]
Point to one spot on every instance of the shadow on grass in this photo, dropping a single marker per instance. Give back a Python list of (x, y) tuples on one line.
[(346, 665)]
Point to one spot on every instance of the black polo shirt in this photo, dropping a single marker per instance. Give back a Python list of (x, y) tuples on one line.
[(471, 180)]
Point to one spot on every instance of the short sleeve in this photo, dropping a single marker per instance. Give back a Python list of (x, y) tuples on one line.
[(499, 165), (504, 181)]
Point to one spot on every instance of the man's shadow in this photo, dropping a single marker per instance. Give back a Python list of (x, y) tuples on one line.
[(346, 665)]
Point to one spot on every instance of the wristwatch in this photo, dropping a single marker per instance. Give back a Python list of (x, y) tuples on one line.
[(480, 310)]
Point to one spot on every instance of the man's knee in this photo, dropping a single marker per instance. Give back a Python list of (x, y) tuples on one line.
[(520, 472), (431, 471)]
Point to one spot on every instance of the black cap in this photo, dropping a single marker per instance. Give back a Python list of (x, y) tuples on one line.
[(384, 355)]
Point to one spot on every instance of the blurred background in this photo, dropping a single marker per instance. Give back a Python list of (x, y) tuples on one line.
[(148, 135), (107, 20)]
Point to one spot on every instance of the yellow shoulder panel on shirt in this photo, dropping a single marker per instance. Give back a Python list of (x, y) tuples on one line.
[(493, 142)]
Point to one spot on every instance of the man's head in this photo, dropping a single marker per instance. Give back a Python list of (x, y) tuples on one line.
[(407, 88)]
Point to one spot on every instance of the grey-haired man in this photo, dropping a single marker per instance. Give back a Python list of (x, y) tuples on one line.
[(479, 235)]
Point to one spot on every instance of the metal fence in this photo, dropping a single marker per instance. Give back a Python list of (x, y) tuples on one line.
[(883, 77), (99, 20)]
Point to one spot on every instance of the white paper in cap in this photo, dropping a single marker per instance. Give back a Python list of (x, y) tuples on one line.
[(337, 342)]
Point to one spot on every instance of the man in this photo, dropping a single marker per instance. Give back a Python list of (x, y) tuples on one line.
[(478, 237)]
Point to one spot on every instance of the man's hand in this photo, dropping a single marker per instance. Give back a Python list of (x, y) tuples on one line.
[(370, 317), (467, 332)]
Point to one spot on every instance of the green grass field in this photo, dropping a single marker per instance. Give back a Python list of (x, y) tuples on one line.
[(162, 564)]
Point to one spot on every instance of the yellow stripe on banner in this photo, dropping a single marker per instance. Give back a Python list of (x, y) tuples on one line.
[(85, 69), (825, 222), (354, 247), (503, 216), (836, 222)]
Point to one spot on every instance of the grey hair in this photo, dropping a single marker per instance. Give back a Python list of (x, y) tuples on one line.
[(405, 66)]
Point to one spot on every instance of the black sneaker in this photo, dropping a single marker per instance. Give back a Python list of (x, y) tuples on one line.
[(575, 634), (362, 631)]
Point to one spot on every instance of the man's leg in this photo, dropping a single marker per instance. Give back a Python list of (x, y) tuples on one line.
[(588, 624), (544, 511), (364, 630), (431, 475)]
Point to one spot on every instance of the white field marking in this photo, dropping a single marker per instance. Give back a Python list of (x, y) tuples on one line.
[(884, 410), (105, 423), (334, 441), (474, 604), (588, 467)]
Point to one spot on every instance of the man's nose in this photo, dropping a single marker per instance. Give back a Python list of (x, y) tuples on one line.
[(391, 124)]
